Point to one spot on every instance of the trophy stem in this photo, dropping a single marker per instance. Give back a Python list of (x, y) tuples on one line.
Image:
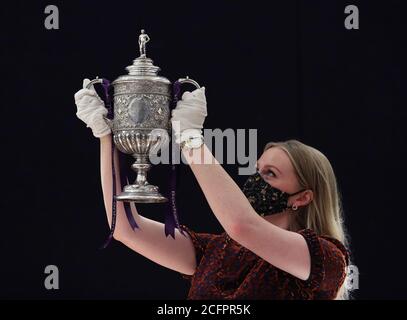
[(141, 191), (141, 166)]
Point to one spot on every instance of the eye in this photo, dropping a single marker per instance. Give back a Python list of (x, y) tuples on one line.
[(267, 173), (270, 173)]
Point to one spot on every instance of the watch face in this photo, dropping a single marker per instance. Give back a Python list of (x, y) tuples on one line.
[(195, 142)]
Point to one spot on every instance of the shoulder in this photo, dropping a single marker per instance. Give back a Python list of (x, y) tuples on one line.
[(327, 245), (197, 234), (329, 259), (200, 240)]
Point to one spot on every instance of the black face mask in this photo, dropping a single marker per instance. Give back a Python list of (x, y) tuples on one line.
[(264, 198)]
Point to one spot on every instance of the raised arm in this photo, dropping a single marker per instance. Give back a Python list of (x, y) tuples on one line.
[(149, 240), (284, 249)]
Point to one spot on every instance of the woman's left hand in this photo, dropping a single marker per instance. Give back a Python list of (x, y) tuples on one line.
[(189, 115)]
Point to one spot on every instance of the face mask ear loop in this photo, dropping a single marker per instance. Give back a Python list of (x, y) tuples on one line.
[(293, 194)]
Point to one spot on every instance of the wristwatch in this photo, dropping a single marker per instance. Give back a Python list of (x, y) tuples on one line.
[(192, 142)]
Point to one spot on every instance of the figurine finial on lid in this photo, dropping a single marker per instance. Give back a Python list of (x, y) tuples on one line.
[(142, 40)]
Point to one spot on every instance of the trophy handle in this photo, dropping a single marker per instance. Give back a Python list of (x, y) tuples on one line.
[(106, 85), (94, 81), (177, 88), (188, 80)]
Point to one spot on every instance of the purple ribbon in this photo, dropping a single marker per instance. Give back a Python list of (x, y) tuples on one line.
[(171, 215)]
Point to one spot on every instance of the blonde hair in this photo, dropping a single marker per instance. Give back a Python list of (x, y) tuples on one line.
[(324, 214)]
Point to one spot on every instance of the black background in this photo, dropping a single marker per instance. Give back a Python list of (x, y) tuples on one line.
[(288, 68)]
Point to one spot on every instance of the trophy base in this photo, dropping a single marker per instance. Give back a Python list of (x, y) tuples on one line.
[(141, 194)]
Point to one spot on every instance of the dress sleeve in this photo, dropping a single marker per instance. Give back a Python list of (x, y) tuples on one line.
[(329, 259), (200, 242)]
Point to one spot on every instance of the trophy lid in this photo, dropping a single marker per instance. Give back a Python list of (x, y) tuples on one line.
[(143, 67)]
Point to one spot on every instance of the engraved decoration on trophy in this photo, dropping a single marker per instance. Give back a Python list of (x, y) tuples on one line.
[(141, 122)]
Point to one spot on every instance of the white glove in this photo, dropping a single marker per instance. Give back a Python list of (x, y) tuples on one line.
[(91, 110), (189, 115)]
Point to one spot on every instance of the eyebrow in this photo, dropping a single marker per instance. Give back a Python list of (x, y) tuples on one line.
[(268, 165)]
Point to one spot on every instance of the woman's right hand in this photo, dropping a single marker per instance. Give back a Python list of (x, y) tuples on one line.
[(91, 110)]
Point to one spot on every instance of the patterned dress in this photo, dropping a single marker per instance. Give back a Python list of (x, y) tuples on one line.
[(227, 270)]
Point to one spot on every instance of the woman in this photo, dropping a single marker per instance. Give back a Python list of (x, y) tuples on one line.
[(284, 236)]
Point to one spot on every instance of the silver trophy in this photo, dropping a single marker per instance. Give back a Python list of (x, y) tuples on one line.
[(141, 123)]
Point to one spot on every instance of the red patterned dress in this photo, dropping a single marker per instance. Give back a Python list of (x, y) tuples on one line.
[(227, 270)]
